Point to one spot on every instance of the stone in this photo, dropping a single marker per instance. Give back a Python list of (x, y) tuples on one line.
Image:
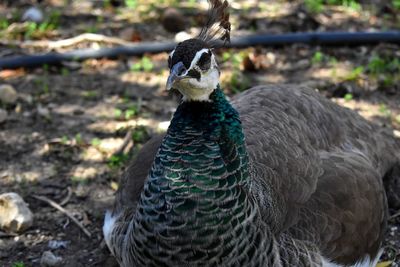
[(3, 115), (173, 20), (33, 14), (48, 259), (15, 216), (57, 244), (8, 95)]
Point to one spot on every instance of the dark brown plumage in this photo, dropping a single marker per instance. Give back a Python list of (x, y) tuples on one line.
[(319, 170)]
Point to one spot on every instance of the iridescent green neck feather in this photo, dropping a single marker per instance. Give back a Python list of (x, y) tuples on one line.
[(195, 207)]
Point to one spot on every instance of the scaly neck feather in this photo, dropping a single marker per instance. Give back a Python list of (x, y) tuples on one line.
[(196, 209), (195, 206)]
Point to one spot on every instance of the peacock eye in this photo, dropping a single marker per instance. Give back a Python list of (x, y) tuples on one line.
[(204, 62)]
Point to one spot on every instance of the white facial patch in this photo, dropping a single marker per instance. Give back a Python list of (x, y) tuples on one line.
[(197, 57), (172, 53), (200, 90)]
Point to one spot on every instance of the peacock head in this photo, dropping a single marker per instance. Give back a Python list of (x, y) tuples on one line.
[(193, 68)]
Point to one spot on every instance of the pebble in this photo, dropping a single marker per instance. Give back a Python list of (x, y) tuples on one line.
[(15, 216), (33, 14), (182, 36), (173, 20), (8, 95), (49, 259), (57, 244)]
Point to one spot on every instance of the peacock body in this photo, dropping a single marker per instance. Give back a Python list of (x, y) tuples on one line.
[(278, 177)]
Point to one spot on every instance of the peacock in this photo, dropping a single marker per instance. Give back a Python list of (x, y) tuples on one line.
[(278, 176)]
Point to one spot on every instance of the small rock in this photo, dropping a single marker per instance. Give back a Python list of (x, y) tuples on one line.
[(33, 14), (43, 111), (3, 115), (173, 20), (49, 259), (57, 244), (8, 95), (182, 36), (15, 216)]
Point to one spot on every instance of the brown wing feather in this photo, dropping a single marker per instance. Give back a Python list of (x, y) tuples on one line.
[(132, 182), (322, 164)]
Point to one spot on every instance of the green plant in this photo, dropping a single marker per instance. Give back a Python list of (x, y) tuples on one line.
[(385, 110), (396, 4), (64, 140), (117, 113), (144, 64), (116, 161), (333, 61), (39, 29), (384, 69), (79, 180), (4, 23), (235, 58), (140, 134), (394, 65), (355, 74), (131, 3), (92, 29), (376, 65), (43, 84), (127, 113), (30, 30), (226, 56), (352, 4), (348, 97), (317, 58), (18, 264), (78, 139), (131, 111), (314, 6), (95, 142), (65, 71), (91, 94)]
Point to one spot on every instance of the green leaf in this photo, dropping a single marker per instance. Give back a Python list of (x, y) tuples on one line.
[(317, 58), (348, 97), (95, 142)]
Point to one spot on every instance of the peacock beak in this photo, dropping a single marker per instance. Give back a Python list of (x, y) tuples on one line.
[(177, 73)]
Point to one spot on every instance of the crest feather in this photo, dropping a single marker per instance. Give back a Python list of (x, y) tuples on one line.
[(217, 26)]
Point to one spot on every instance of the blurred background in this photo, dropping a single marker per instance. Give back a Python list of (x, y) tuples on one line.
[(67, 131)]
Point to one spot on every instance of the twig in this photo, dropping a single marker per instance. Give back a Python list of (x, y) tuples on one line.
[(66, 212), (125, 143), (67, 198), (394, 215), (85, 37)]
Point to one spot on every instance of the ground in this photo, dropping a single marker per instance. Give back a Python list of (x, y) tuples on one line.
[(62, 135)]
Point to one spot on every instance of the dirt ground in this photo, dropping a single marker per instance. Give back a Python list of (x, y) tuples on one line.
[(61, 136)]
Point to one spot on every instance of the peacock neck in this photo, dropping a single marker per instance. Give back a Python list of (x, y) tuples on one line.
[(195, 205)]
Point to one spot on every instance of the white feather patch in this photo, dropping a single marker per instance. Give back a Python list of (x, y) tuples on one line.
[(109, 223), (365, 262), (192, 89)]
